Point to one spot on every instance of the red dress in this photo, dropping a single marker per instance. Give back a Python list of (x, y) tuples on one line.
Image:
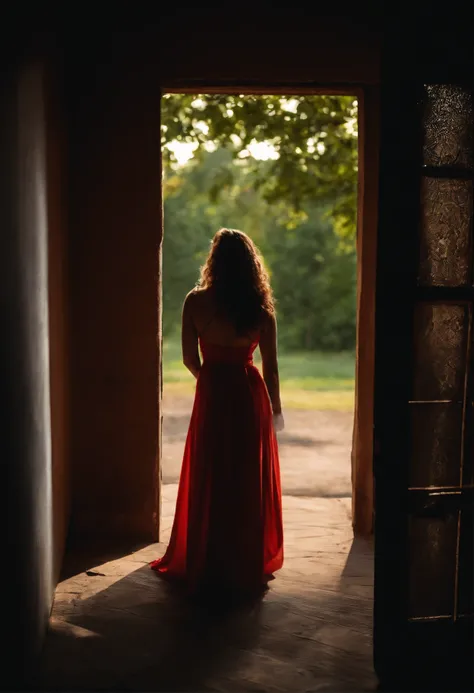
[(227, 530)]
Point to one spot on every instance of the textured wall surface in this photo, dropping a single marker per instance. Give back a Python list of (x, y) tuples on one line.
[(25, 440), (58, 293), (115, 227)]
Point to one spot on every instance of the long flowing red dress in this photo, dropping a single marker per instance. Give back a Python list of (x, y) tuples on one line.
[(227, 528)]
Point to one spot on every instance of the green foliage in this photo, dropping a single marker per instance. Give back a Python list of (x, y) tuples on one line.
[(314, 138), (312, 275), (314, 282), (299, 205), (191, 220)]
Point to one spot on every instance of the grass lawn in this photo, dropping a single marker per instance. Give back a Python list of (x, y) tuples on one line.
[(308, 380)]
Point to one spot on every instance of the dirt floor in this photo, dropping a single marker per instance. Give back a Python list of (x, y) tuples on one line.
[(115, 626), (314, 448)]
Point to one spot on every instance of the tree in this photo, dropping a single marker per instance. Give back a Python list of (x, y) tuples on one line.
[(314, 281), (311, 139), (313, 277), (191, 218)]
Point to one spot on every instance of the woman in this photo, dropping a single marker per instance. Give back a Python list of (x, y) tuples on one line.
[(227, 531)]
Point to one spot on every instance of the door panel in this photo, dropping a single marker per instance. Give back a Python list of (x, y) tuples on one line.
[(424, 395), (447, 112)]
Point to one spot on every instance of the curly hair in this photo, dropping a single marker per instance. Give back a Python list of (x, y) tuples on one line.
[(234, 269)]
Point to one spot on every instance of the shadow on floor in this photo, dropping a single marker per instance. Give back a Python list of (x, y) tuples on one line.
[(304, 441), (81, 557), (317, 492), (360, 552), (139, 634)]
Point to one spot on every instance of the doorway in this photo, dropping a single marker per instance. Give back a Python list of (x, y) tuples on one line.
[(325, 568), (325, 390)]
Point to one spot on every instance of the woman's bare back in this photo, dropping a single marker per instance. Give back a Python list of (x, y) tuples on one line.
[(201, 321), (214, 328)]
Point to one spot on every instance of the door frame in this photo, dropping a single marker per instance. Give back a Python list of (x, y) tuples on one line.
[(368, 96)]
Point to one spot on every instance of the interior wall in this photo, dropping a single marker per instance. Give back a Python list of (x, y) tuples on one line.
[(25, 442), (58, 290), (114, 241), (294, 46)]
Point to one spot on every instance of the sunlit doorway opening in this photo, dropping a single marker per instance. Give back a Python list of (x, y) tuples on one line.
[(284, 169)]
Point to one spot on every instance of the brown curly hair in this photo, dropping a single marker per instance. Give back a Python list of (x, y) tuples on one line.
[(234, 269)]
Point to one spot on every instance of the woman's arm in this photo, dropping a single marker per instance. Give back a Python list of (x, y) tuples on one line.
[(189, 337), (268, 350)]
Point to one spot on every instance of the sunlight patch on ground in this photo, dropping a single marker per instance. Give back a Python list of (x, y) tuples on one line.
[(61, 627), (318, 400), (292, 398)]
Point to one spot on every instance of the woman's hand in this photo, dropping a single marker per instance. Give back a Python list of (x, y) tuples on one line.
[(278, 422)]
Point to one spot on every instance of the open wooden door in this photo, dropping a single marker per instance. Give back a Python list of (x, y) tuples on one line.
[(424, 369)]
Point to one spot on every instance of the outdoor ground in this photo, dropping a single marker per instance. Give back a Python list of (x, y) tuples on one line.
[(314, 448)]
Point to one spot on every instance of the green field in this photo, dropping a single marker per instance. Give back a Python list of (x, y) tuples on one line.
[(308, 380)]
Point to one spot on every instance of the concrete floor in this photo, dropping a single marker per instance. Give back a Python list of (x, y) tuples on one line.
[(116, 626)]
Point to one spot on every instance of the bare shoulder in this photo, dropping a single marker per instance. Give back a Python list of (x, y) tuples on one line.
[(193, 296), (196, 300), (189, 303), (268, 322), (200, 297), (199, 292)]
